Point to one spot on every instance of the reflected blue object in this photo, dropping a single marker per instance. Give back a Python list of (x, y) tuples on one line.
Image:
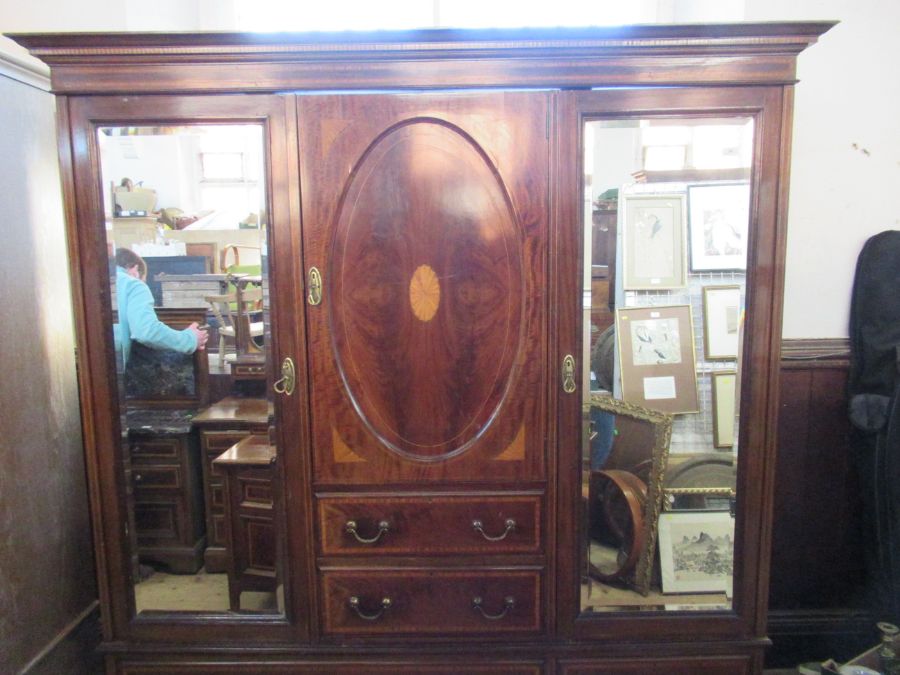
[(604, 425)]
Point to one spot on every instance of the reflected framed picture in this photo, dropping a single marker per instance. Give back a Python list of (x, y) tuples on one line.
[(719, 217), (696, 551), (656, 357), (724, 388), (653, 241), (721, 322)]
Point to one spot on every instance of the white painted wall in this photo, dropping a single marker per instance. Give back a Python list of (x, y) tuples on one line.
[(845, 175)]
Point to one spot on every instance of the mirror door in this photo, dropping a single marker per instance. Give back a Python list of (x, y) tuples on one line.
[(190, 321), (671, 236)]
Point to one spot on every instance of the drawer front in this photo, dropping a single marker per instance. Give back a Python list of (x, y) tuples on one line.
[(255, 490), (160, 522), (444, 666), (241, 371), (712, 665), (149, 449), (435, 524), (219, 441), (157, 477), (430, 602)]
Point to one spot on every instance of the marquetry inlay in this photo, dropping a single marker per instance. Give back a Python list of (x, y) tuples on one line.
[(424, 293), (341, 451), (515, 451)]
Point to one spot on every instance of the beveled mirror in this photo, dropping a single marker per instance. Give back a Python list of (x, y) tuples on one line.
[(186, 222), (666, 222)]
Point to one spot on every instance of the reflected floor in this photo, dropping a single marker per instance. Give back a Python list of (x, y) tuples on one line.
[(199, 592), (597, 596)]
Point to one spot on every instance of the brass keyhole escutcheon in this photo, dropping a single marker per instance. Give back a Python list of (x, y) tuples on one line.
[(568, 374), (314, 284)]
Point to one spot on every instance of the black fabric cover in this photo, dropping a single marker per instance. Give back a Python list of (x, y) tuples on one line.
[(874, 409), (875, 317)]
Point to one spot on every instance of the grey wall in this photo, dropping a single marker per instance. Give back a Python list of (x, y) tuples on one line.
[(47, 585)]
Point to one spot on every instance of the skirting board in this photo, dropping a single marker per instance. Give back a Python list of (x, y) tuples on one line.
[(72, 650)]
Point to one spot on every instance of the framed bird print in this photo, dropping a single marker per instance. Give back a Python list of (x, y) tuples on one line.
[(656, 357), (653, 241)]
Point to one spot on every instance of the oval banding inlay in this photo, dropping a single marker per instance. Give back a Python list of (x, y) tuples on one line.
[(424, 293), (427, 287)]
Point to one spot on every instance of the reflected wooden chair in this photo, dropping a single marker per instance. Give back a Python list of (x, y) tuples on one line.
[(228, 314)]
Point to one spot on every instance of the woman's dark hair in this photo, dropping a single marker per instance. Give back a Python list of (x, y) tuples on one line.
[(127, 258)]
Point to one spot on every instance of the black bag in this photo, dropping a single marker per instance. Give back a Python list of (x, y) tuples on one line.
[(874, 407)]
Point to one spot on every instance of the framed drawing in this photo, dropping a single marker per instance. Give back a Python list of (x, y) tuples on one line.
[(653, 241), (719, 216), (721, 322), (696, 551), (656, 357), (723, 401)]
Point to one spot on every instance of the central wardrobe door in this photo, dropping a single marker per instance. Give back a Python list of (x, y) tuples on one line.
[(425, 227)]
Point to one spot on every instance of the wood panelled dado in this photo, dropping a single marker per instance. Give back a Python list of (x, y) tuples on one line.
[(818, 593), (427, 217)]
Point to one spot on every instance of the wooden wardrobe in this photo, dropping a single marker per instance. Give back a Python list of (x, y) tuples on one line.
[(424, 206)]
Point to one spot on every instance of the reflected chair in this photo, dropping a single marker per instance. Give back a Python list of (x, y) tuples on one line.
[(228, 314)]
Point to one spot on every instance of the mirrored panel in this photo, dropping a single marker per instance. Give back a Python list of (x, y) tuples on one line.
[(186, 223), (666, 218)]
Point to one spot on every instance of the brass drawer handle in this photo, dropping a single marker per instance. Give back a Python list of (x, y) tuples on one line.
[(478, 526), (508, 603), (350, 528), (385, 605)]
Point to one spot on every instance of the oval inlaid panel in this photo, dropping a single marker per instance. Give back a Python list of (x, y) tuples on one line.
[(426, 290)]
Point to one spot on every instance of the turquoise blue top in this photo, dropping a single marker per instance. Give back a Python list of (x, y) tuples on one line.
[(137, 320)]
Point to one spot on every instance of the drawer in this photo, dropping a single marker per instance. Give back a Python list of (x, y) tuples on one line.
[(430, 602), (429, 524), (249, 372), (159, 521), (156, 477), (219, 441), (155, 448), (254, 488)]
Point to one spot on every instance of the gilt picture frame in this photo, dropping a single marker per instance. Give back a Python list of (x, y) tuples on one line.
[(656, 357), (653, 241), (650, 464)]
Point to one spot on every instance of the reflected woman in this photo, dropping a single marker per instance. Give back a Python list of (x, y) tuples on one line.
[(137, 318)]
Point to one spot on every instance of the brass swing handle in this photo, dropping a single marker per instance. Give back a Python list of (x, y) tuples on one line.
[(508, 603), (478, 526), (567, 374), (385, 605), (285, 385), (314, 287), (350, 527)]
